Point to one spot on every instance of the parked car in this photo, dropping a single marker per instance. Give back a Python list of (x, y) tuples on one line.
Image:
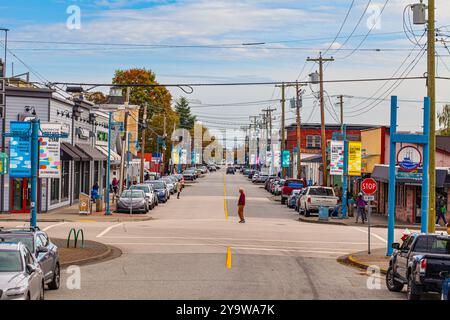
[(161, 190), (189, 175), (230, 170), (204, 169), (292, 200), (420, 263), (43, 250), (315, 197), (246, 172), (276, 189), (21, 276), (132, 201), (261, 178), (152, 199), (170, 185), (289, 186), (251, 174), (212, 168)]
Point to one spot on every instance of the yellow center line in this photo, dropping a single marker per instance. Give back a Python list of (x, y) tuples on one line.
[(229, 258), (225, 203)]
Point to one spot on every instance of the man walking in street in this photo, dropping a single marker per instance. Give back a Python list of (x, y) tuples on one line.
[(178, 189), (361, 208), (241, 205), (441, 211)]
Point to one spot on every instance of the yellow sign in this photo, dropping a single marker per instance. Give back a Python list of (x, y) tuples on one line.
[(354, 158), (175, 157)]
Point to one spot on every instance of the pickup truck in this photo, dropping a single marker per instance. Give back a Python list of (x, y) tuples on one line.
[(289, 186), (421, 263), (312, 198)]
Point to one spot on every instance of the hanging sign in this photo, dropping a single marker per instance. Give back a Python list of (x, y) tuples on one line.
[(409, 158), (337, 158), (20, 150), (286, 159), (49, 152), (3, 163), (354, 158), (175, 157)]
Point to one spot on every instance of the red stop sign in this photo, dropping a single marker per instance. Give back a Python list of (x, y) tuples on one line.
[(369, 186)]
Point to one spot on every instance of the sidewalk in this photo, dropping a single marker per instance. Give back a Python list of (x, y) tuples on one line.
[(70, 214), (363, 260)]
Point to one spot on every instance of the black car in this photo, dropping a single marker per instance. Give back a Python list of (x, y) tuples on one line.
[(231, 170), (39, 244), (419, 263)]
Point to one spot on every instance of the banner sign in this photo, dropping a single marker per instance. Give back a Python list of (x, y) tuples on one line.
[(175, 157), (184, 158), (337, 158), (286, 159), (354, 158), (409, 158), (20, 150), (50, 152), (276, 159), (3, 163)]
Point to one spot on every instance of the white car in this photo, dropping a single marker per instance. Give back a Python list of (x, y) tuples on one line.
[(21, 277), (314, 197)]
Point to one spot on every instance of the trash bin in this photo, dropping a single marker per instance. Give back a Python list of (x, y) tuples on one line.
[(324, 213), (99, 204)]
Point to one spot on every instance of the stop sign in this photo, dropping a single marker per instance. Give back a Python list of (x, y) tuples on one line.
[(369, 186)]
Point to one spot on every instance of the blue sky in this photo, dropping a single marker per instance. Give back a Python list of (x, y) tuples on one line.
[(295, 30)]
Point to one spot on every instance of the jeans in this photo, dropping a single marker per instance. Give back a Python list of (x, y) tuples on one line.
[(361, 212), (439, 217)]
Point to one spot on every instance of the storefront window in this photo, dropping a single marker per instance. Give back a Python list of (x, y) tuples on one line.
[(65, 180), (86, 175), (54, 191), (77, 178), (96, 172)]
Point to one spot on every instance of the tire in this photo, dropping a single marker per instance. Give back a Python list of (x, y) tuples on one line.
[(391, 283), (42, 293), (56, 281), (307, 213), (411, 290), (283, 200)]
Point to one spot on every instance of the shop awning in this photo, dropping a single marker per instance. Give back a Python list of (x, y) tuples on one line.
[(93, 153), (381, 173), (80, 154), (115, 158), (67, 153)]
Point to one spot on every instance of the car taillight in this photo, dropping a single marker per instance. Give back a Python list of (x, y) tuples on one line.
[(309, 199), (423, 266)]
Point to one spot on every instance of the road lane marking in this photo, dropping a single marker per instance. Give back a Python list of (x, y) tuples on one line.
[(372, 234), (229, 258), (225, 201), (108, 230), (54, 225)]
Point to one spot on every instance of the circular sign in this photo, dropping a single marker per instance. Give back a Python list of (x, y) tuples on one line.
[(409, 158), (369, 186)]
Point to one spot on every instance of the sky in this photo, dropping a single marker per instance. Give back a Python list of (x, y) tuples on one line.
[(185, 41)]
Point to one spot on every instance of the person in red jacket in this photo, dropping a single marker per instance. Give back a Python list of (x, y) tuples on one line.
[(241, 205)]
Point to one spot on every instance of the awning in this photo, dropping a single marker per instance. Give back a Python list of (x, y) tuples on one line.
[(381, 173), (81, 156), (67, 153), (93, 153), (115, 158)]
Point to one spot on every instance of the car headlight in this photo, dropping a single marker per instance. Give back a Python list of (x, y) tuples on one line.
[(16, 292)]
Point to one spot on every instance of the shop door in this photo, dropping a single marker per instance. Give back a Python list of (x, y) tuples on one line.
[(20, 195), (418, 205)]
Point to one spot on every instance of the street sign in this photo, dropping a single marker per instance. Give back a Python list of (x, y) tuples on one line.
[(369, 186), (409, 158), (337, 158), (20, 150), (369, 198), (354, 158)]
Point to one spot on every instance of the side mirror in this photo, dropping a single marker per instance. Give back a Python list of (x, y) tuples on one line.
[(31, 269), (396, 246), (42, 250)]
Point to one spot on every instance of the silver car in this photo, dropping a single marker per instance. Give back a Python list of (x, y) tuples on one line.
[(21, 277), (152, 199)]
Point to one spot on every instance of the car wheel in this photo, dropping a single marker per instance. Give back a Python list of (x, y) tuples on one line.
[(42, 293), (283, 201), (392, 284), (307, 213), (56, 281), (411, 290)]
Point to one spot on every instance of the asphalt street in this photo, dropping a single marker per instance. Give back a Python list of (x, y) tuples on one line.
[(182, 252)]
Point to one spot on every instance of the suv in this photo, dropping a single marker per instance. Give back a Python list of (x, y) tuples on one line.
[(289, 186), (230, 170), (21, 277), (40, 246), (422, 262)]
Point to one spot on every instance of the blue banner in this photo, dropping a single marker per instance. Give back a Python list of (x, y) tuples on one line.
[(286, 159), (20, 150)]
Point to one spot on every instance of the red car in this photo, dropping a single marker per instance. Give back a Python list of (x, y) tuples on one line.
[(291, 185)]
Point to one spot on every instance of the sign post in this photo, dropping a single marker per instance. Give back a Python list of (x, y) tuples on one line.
[(369, 187)]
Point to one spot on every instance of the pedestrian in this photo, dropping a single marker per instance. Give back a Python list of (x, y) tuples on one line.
[(441, 211), (178, 186), (115, 185), (147, 176), (241, 205), (361, 208), (94, 191)]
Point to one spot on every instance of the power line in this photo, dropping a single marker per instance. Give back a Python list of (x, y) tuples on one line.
[(342, 27)]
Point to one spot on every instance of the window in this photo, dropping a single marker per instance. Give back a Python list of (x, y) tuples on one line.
[(65, 180), (44, 239), (77, 177), (313, 142), (54, 191), (86, 176)]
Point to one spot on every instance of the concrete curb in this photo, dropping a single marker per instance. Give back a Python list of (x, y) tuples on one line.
[(350, 260), (322, 222), (95, 259)]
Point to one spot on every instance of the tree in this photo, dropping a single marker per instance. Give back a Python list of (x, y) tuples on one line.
[(187, 120), (96, 97), (444, 120)]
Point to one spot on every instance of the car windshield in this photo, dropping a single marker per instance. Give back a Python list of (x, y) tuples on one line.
[(295, 192), (326, 192), (433, 244), (132, 194), (27, 240), (10, 261), (157, 184)]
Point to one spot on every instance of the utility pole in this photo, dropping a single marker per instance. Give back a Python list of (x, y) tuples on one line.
[(321, 60), (144, 136), (341, 104), (299, 145), (255, 126), (124, 142), (432, 96)]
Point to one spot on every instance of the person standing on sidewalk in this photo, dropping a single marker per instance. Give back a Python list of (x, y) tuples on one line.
[(441, 211), (241, 205), (361, 208)]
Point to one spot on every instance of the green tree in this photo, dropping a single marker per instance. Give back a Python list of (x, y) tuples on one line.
[(444, 120), (187, 120)]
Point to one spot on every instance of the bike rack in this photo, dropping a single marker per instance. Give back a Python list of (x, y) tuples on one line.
[(76, 235)]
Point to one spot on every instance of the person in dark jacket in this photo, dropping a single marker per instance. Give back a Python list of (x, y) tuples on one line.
[(441, 211), (241, 205)]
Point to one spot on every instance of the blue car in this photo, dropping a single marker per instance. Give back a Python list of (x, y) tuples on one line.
[(160, 189)]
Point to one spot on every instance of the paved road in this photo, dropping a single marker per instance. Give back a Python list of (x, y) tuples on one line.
[(182, 253)]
